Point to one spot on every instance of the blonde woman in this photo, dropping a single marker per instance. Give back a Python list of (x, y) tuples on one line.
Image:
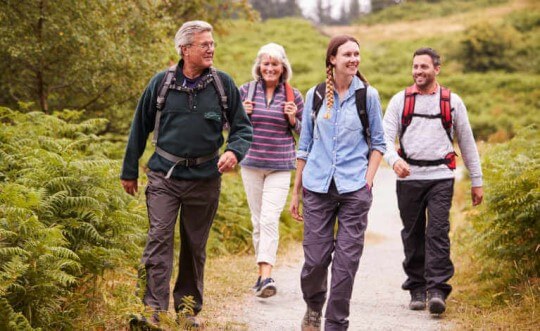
[(336, 164)]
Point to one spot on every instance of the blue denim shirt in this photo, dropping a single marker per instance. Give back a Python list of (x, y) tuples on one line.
[(336, 148)]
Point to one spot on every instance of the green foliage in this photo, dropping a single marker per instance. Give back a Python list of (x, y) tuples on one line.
[(92, 55), (489, 46), (507, 229), (304, 45), (389, 12), (64, 219)]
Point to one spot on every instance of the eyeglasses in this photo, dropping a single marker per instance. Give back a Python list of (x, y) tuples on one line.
[(205, 46)]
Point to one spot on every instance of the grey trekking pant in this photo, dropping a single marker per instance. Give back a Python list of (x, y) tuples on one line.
[(197, 201), (424, 206), (320, 212)]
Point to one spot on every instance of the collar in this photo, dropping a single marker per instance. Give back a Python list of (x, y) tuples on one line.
[(180, 73), (416, 90)]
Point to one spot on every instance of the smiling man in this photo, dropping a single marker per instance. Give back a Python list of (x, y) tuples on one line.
[(186, 107), (425, 118)]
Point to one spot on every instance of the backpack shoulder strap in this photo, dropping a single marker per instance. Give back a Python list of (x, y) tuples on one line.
[(251, 90), (446, 111), (166, 82), (318, 97), (218, 83), (289, 93), (408, 108), (361, 108)]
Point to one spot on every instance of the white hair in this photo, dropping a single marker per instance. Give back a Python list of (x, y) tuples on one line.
[(277, 52), (185, 34)]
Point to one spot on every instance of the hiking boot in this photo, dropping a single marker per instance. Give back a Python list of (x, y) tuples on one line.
[(418, 300), (188, 321), (257, 284), (436, 303), (266, 289), (141, 323), (311, 320)]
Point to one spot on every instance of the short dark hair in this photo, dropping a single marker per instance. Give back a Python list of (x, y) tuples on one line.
[(435, 57)]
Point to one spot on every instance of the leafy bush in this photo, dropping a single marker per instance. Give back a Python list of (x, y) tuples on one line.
[(64, 219), (507, 229), (489, 46)]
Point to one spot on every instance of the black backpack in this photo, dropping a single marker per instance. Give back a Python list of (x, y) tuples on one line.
[(361, 108)]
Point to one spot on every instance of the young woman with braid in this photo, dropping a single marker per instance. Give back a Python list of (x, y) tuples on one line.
[(335, 172)]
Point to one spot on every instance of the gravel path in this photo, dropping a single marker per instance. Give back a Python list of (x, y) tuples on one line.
[(378, 303)]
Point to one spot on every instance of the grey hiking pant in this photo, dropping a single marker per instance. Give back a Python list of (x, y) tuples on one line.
[(424, 206), (320, 212), (197, 201)]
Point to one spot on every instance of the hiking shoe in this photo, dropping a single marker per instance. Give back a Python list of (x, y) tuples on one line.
[(266, 289), (311, 320), (188, 321), (418, 300), (257, 284), (436, 303), (141, 323)]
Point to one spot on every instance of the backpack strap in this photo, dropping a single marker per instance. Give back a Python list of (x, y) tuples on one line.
[(361, 108), (289, 93), (218, 83), (251, 90), (166, 82), (408, 109), (446, 111), (318, 97)]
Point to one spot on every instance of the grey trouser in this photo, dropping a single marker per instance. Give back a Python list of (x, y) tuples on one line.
[(425, 238), (320, 212), (197, 201)]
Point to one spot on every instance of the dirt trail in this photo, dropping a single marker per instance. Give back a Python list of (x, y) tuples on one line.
[(378, 303)]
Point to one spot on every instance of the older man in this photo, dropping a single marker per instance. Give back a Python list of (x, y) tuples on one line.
[(426, 117), (186, 107)]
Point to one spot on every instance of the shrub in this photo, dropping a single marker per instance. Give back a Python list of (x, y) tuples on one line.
[(488, 47), (64, 219), (507, 229)]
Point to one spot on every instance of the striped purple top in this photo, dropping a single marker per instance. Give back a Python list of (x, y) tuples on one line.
[(273, 145)]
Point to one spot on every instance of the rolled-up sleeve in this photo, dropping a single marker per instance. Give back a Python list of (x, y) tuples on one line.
[(375, 120)]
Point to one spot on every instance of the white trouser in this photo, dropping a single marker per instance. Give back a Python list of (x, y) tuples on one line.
[(266, 192)]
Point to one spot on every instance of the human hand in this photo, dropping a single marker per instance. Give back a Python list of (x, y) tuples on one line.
[(294, 208), (248, 106), (129, 185), (477, 195), (290, 112), (227, 162), (401, 168)]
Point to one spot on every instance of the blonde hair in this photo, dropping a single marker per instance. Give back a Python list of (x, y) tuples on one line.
[(274, 51)]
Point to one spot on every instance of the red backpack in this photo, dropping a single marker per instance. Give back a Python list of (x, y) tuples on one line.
[(446, 119)]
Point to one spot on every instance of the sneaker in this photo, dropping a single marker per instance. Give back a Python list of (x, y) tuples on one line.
[(257, 284), (266, 289), (436, 303), (311, 320), (418, 300)]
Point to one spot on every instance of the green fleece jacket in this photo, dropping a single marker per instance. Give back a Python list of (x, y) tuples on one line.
[(190, 127)]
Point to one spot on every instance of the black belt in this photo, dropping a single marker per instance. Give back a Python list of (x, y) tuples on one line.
[(185, 161)]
